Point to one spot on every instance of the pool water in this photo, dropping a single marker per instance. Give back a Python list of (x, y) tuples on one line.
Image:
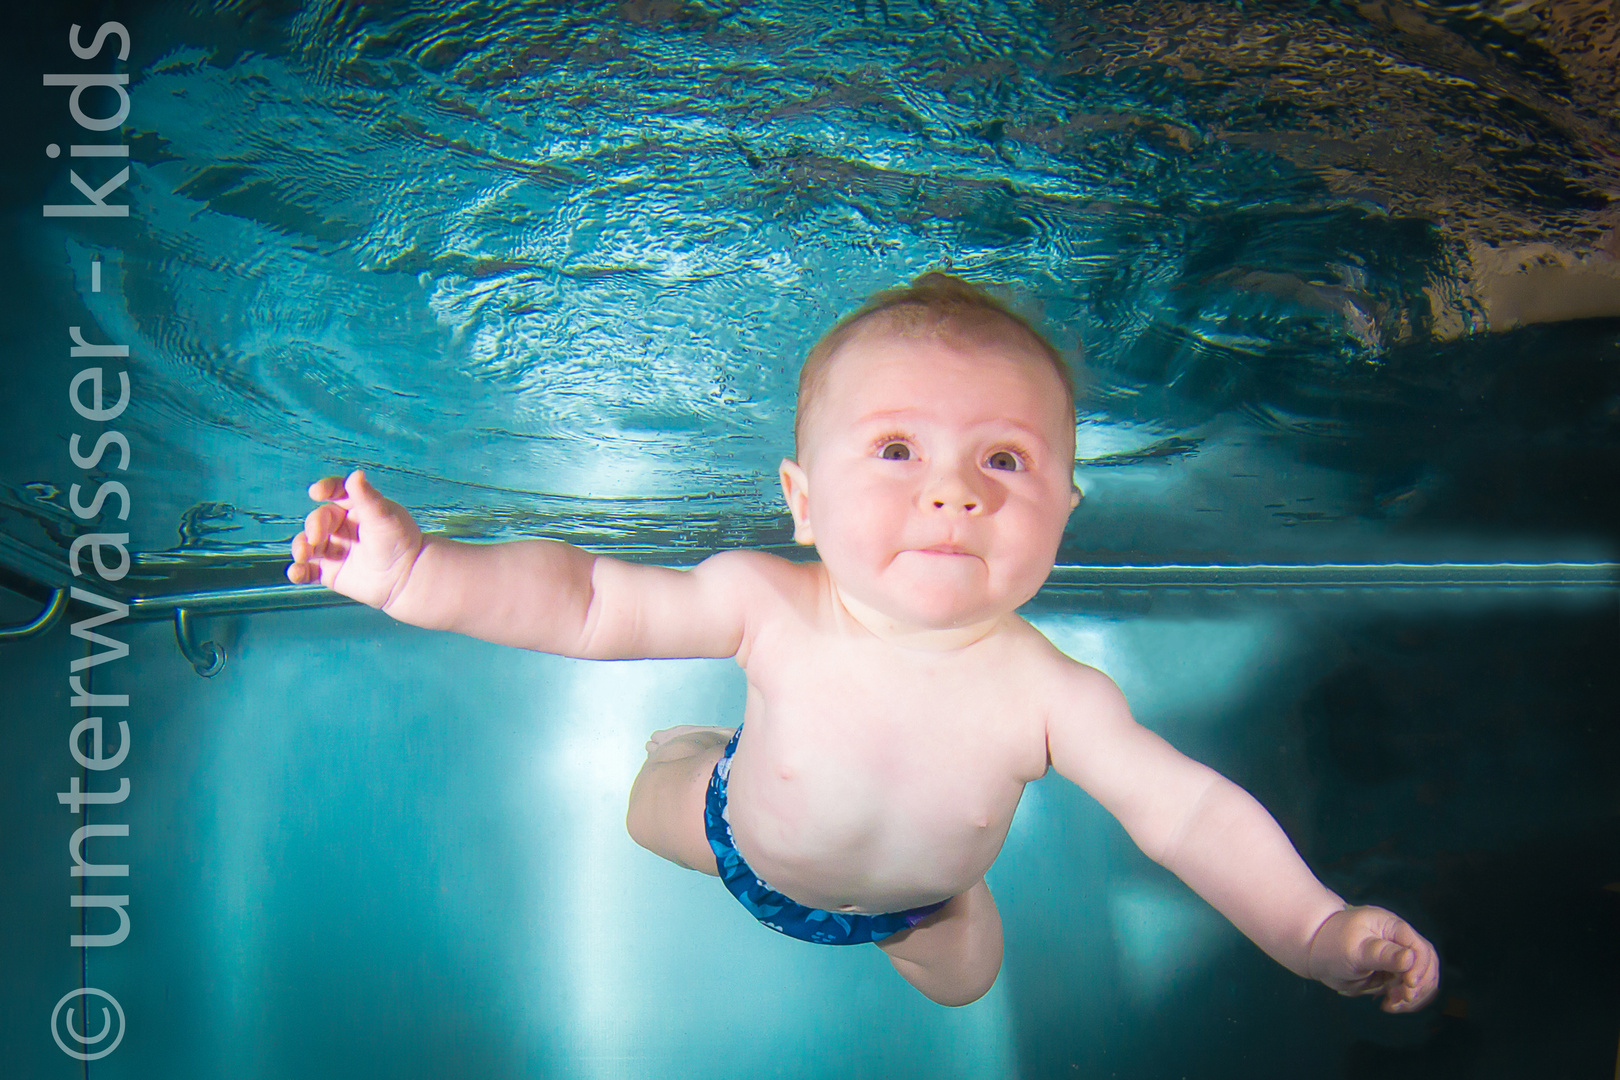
[(367, 849), (1344, 284)]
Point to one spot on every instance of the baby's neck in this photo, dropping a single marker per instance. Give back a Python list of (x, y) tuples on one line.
[(907, 636)]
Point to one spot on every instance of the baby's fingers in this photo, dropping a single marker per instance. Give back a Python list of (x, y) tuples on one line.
[(302, 570), (1419, 983), (355, 496), (1417, 974), (323, 524), (346, 491), (1424, 971), (1381, 954), (1407, 995), (327, 487)]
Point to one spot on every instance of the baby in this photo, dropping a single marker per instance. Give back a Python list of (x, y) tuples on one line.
[(897, 704)]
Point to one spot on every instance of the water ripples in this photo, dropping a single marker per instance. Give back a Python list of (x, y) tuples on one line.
[(522, 253)]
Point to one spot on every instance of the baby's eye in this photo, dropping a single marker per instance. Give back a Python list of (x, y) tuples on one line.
[(895, 451), (1004, 459)]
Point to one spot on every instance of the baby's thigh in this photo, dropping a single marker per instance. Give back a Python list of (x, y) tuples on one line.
[(667, 799), (953, 955)]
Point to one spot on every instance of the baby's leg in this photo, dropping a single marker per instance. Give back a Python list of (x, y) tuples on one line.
[(667, 799), (953, 955)]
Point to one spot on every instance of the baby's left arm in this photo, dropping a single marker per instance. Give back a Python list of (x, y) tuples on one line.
[(1214, 836)]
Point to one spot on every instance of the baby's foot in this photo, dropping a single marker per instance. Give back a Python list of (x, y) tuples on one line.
[(698, 735)]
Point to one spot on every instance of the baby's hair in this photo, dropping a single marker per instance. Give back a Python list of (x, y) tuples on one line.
[(935, 303)]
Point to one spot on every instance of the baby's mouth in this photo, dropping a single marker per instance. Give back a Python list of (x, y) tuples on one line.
[(945, 549)]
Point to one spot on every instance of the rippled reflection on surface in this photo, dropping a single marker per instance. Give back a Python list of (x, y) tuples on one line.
[(554, 271)]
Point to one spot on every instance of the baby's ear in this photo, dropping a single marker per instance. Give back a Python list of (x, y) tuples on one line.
[(1075, 495), (796, 491)]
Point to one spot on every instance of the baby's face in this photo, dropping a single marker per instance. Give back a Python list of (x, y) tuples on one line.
[(937, 478)]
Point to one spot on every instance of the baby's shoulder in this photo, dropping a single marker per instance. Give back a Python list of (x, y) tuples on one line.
[(769, 591), (765, 583), (1052, 674), (761, 569)]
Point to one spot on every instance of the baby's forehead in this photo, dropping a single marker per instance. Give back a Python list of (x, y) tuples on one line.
[(976, 388), (975, 354), (916, 331)]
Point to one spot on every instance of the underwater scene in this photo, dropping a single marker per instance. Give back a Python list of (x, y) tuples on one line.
[(1338, 286)]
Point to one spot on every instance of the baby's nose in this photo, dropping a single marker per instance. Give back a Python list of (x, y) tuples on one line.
[(954, 492)]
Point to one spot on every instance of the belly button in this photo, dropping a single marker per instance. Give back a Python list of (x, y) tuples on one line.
[(846, 907)]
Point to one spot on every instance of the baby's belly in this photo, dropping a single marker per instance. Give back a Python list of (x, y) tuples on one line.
[(842, 848)]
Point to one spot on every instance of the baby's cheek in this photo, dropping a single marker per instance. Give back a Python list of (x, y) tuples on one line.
[(867, 531)]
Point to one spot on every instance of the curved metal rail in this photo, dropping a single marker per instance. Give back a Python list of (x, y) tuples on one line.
[(43, 621), (208, 657)]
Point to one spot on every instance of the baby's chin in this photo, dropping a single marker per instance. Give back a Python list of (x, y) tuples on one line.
[(933, 605)]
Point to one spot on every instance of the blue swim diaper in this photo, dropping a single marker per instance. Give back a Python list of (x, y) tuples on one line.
[(779, 912)]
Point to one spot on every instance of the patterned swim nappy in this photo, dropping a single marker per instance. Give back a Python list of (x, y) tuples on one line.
[(772, 908)]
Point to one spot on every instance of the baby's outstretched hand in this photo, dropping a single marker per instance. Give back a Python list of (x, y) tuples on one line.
[(356, 542), (1367, 950)]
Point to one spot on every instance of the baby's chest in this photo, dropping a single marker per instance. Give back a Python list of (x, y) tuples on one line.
[(906, 724)]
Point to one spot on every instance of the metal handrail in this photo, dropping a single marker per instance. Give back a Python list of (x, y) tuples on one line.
[(1342, 575), (207, 657), (43, 621)]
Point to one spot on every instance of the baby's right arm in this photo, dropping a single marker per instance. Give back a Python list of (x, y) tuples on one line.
[(536, 594)]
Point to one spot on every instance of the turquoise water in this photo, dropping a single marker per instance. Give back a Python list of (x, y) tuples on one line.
[(366, 849), (1346, 284)]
